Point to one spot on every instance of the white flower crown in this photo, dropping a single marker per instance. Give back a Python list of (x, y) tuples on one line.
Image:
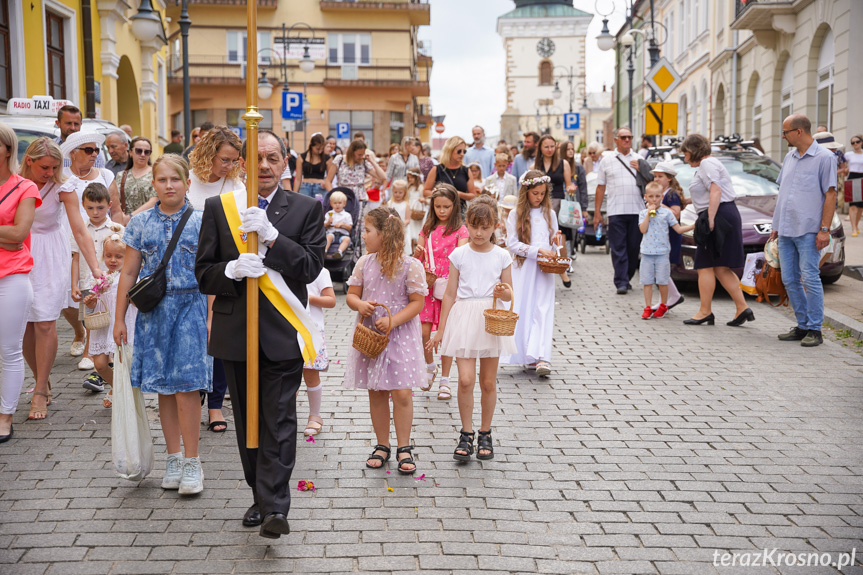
[(530, 182)]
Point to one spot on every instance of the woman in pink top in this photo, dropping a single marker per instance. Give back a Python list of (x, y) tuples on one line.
[(18, 201), (444, 227)]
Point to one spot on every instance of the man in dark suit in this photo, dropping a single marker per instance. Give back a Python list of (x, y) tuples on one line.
[(290, 227)]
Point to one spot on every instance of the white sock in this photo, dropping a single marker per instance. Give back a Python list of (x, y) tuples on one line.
[(430, 366), (444, 381), (178, 454), (315, 394)]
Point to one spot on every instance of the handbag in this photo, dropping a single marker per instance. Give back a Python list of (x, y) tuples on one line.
[(131, 442), (123, 191), (149, 291), (439, 288), (854, 190), (570, 212)]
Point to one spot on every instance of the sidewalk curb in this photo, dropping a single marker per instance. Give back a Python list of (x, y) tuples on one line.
[(842, 321)]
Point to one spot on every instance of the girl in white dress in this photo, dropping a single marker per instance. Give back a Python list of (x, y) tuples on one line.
[(399, 202), (477, 274), (531, 229), (103, 295)]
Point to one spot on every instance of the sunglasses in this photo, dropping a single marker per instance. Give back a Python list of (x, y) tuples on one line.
[(140, 151), (88, 150), (459, 152), (856, 141), (624, 137)]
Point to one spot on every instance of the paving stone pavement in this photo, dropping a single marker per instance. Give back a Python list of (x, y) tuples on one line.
[(652, 447)]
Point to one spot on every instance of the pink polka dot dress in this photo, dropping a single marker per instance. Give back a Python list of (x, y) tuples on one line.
[(401, 364)]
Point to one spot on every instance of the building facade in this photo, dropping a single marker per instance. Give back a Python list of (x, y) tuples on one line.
[(369, 70), (47, 46), (544, 42), (747, 64)]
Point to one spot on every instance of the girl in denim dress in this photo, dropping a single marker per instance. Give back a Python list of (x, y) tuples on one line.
[(170, 340)]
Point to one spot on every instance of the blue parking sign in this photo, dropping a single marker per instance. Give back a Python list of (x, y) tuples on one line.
[(571, 121), (343, 130), (292, 105)]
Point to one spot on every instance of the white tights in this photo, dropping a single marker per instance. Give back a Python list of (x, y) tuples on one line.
[(16, 297)]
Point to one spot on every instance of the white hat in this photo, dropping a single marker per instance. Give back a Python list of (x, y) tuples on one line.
[(508, 202), (827, 140), (665, 168), (78, 139)]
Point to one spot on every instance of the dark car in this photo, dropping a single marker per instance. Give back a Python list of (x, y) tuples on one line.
[(753, 176)]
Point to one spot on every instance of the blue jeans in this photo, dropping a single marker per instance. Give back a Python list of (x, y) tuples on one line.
[(312, 190), (799, 260)]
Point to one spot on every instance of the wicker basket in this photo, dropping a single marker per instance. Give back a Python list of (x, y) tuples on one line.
[(369, 341), (553, 265), (97, 319), (501, 321), (431, 277), (418, 215)]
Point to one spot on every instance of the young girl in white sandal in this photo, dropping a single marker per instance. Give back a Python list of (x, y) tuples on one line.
[(321, 295)]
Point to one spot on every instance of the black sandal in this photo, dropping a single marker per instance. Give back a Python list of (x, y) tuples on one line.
[(465, 443), (407, 460), (375, 457), (483, 442)]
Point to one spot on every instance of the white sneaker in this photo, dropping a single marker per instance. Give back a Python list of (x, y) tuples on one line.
[(193, 476), (173, 472), (543, 368), (76, 349), (86, 364)]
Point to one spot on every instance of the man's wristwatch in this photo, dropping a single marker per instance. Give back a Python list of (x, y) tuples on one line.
[(825, 229)]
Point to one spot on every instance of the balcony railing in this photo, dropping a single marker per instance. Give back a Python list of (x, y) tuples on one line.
[(229, 3), (419, 10)]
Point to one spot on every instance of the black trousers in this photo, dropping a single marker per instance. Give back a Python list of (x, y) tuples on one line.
[(220, 385), (268, 468), (624, 238)]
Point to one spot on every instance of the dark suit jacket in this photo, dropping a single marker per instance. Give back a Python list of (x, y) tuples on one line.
[(297, 254)]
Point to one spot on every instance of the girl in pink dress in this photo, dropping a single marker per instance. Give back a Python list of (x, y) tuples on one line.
[(385, 275), (444, 227)]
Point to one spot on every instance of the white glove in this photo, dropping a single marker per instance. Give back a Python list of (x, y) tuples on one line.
[(246, 266), (255, 220)]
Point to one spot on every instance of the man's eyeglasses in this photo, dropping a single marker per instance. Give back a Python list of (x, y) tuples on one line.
[(784, 132), (88, 150), (624, 137), (141, 151), (228, 161)]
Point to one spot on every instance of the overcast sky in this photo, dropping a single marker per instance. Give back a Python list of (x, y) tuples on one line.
[(468, 78)]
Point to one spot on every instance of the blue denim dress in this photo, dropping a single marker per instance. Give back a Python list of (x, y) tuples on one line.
[(171, 340)]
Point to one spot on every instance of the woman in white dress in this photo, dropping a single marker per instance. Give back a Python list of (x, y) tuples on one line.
[(82, 150), (215, 166), (49, 245), (531, 229)]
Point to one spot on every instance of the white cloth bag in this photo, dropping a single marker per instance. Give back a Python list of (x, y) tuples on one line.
[(754, 263), (131, 442), (439, 288)]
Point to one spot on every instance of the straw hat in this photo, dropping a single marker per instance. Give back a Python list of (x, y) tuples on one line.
[(508, 202), (78, 139), (665, 168), (827, 140)]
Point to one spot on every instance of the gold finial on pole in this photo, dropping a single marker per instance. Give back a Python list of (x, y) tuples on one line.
[(252, 118)]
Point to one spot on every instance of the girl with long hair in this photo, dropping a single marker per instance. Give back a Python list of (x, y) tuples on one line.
[(215, 166), (386, 276), (311, 173), (531, 230), (549, 161), (442, 232)]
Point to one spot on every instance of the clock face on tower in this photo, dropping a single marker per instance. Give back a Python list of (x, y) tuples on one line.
[(545, 47)]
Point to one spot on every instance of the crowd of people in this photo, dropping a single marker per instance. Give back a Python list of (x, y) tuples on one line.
[(439, 241)]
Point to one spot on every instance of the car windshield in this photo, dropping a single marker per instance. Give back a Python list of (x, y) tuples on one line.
[(750, 175), (25, 138)]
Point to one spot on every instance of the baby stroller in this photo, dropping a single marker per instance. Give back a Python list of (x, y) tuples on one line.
[(341, 270), (588, 236)]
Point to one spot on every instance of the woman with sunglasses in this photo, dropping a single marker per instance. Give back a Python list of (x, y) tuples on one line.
[(136, 181), (82, 150), (855, 171), (451, 170)]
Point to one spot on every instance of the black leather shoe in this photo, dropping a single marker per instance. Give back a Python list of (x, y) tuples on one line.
[(709, 320), (5, 438), (796, 334), (745, 315), (252, 518), (677, 303), (274, 526)]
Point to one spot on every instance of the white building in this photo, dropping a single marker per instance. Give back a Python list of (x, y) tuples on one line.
[(544, 42)]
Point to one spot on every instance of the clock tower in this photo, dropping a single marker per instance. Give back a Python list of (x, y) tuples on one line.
[(544, 41)]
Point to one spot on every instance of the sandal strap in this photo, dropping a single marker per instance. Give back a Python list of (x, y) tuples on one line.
[(405, 449), (385, 448), (42, 393)]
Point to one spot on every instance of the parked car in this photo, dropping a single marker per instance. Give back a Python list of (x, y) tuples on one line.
[(753, 176)]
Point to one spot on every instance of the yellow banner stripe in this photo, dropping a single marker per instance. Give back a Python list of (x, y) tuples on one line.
[(266, 284)]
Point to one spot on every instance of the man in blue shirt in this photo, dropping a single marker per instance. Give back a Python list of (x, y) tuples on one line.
[(480, 153), (523, 161), (801, 221)]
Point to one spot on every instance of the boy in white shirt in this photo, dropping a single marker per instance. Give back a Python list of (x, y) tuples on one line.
[(504, 184), (338, 224)]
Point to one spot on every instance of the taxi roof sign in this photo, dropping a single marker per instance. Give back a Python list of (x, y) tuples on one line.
[(663, 78), (35, 106)]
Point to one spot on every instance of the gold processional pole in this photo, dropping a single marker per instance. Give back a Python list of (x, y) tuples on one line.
[(252, 118)]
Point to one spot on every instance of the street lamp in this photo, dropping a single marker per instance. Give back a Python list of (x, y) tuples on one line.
[(146, 23), (307, 65), (265, 89)]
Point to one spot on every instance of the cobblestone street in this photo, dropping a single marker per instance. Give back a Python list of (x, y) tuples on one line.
[(652, 447)]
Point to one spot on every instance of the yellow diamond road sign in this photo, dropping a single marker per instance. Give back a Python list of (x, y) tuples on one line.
[(663, 78)]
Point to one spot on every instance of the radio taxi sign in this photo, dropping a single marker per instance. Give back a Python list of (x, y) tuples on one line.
[(663, 78), (35, 106)]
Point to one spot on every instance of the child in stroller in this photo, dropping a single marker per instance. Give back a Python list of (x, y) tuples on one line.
[(341, 268)]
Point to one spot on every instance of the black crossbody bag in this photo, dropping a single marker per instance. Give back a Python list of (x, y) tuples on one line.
[(149, 291)]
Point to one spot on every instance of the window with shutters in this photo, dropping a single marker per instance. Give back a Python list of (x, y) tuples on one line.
[(56, 50), (545, 73)]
